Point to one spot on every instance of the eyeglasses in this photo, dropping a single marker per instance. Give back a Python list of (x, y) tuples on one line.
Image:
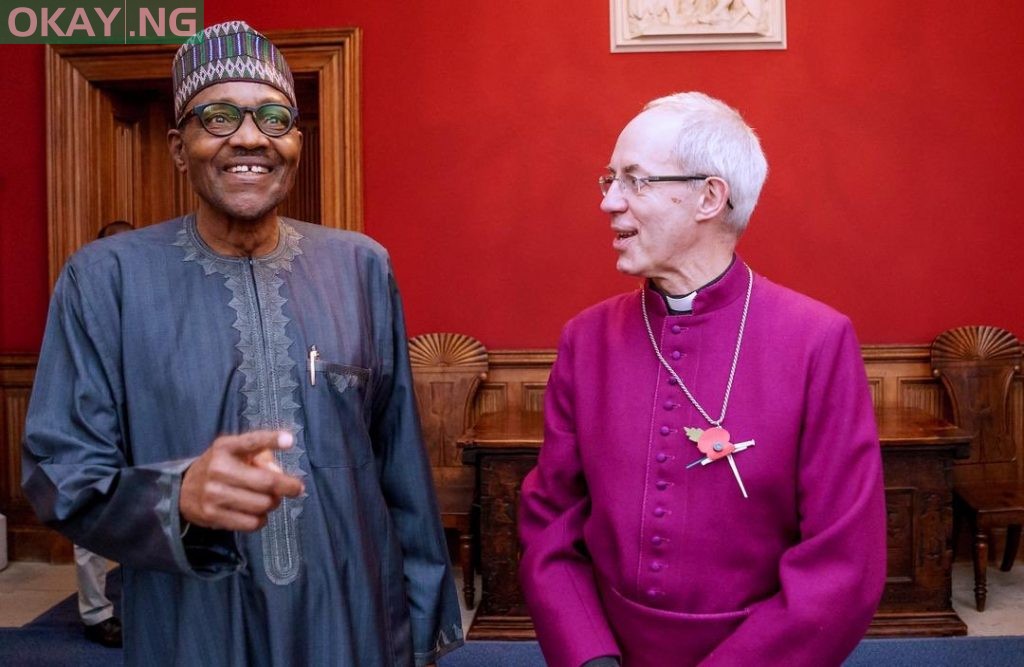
[(633, 184), (222, 119)]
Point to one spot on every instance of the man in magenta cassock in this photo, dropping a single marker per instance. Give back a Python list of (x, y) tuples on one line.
[(710, 486)]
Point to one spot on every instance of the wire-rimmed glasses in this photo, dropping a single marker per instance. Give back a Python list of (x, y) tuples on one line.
[(633, 184)]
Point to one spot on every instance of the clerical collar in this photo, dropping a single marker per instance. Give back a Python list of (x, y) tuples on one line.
[(683, 304), (679, 305)]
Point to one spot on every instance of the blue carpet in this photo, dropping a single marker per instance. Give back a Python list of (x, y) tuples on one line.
[(942, 652), (55, 639)]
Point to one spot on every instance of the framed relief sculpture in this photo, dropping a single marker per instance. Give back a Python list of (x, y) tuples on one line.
[(697, 25)]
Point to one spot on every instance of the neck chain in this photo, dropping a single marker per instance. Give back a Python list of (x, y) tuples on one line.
[(735, 356)]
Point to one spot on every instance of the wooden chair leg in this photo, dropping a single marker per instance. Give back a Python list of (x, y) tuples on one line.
[(958, 512), (1012, 547), (466, 563), (980, 566)]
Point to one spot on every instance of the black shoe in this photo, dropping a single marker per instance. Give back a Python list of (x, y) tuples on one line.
[(107, 633)]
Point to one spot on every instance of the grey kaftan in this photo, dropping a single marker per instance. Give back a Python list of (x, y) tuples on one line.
[(155, 345)]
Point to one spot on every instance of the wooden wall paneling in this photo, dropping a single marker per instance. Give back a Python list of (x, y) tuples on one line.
[(900, 376), (888, 366), (516, 381), (533, 396), (877, 388), (133, 117), (126, 151), (151, 204), (67, 143), (28, 539), (16, 374), (492, 397), (303, 202), (923, 393), (107, 193)]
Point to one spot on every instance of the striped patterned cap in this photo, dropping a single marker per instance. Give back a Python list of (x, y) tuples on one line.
[(230, 51)]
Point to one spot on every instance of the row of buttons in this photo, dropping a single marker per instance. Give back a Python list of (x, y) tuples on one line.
[(662, 457)]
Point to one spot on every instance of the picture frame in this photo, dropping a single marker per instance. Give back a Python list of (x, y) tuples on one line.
[(697, 25)]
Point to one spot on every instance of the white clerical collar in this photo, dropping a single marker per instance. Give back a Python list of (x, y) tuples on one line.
[(680, 304)]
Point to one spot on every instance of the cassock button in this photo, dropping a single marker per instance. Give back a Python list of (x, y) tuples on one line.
[(676, 354), (661, 457), (676, 328), (669, 405), (656, 540), (659, 511), (661, 484), (665, 430), (671, 380), (657, 566), (653, 592)]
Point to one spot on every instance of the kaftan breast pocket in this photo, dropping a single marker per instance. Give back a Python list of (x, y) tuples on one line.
[(344, 378), (338, 415)]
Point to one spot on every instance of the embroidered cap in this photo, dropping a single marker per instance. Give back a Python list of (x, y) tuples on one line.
[(230, 51)]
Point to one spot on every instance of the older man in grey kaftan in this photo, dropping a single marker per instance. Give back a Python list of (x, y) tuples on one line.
[(157, 344)]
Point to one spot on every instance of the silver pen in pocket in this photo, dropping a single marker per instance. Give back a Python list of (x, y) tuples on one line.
[(313, 354)]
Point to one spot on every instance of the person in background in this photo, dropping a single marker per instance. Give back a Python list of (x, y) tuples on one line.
[(224, 405), (709, 490), (115, 227), (94, 607)]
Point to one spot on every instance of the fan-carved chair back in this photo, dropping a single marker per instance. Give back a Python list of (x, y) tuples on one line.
[(447, 370), (976, 365)]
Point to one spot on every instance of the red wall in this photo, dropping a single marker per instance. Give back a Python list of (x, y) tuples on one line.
[(893, 133)]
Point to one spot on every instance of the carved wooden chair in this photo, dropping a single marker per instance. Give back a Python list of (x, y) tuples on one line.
[(976, 365), (447, 371)]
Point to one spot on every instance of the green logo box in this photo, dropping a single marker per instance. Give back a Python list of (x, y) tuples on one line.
[(99, 21)]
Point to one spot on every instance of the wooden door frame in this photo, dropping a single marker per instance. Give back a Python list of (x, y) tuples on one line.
[(76, 73)]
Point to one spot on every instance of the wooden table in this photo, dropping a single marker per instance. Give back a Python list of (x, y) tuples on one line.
[(917, 460), (503, 448), (917, 457)]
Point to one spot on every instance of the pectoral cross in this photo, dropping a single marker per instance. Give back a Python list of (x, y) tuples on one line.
[(714, 443)]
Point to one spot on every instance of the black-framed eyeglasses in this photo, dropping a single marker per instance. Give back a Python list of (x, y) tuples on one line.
[(633, 184), (222, 119)]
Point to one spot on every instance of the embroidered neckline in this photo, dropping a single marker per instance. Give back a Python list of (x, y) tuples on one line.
[(198, 250), (269, 387)]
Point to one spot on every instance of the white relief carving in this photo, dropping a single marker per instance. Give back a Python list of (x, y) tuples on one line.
[(672, 25), (674, 17)]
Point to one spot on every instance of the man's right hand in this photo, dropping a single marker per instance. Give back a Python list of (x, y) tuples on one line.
[(236, 482)]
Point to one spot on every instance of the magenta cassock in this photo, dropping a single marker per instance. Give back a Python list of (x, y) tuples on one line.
[(628, 552)]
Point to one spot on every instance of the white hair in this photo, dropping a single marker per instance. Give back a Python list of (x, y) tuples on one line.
[(715, 140)]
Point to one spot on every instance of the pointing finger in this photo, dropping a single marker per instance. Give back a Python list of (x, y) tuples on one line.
[(265, 459), (254, 442)]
